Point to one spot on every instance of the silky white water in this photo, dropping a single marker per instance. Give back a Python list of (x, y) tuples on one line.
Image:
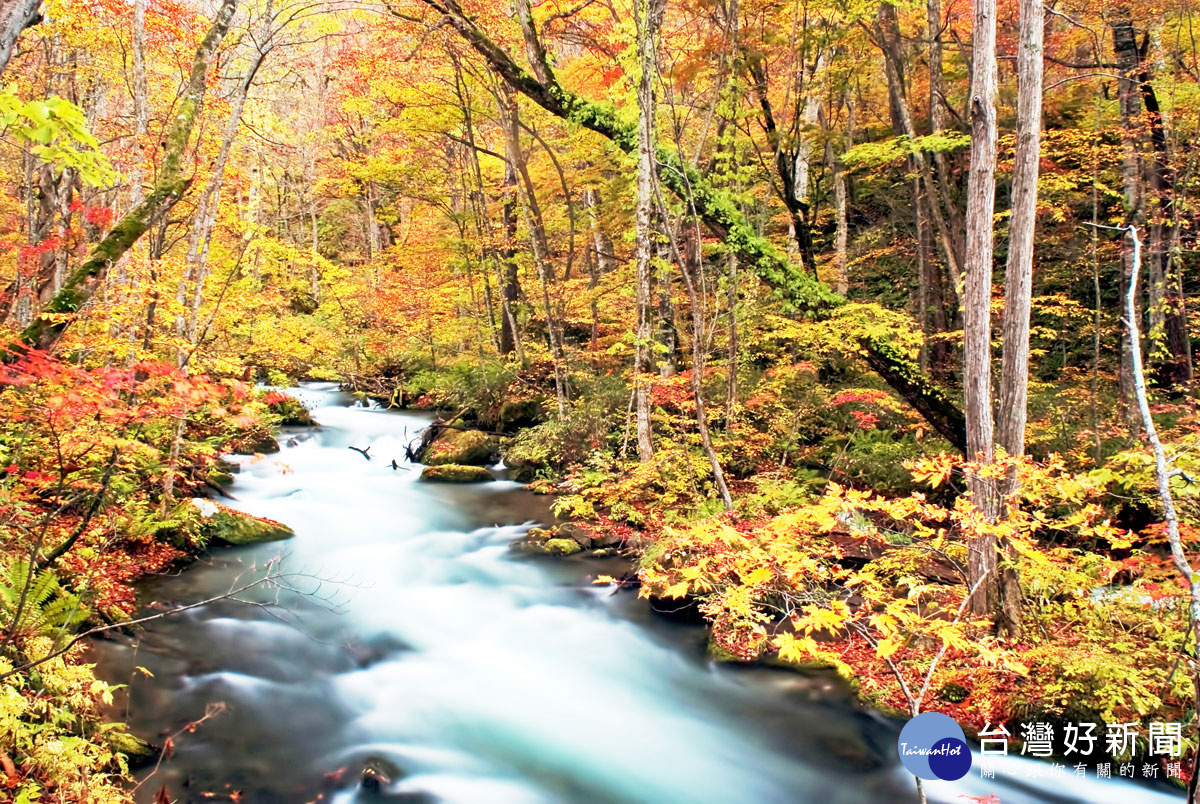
[(418, 645)]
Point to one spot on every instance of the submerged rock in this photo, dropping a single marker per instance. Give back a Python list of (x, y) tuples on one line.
[(221, 525), (464, 448), (455, 473)]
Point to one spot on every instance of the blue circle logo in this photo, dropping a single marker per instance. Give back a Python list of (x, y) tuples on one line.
[(933, 746)]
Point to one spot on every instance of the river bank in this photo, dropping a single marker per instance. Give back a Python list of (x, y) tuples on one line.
[(423, 651)]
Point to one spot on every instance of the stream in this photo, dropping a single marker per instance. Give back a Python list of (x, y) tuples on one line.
[(414, 642)]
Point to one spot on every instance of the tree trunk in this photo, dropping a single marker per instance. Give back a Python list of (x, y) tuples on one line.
[(15, 17), (205, 215), (509, 113), (1129, 105), (889, 35), (977, 297), (83, 282), (650, 14), (1018, 281), (510, 286)]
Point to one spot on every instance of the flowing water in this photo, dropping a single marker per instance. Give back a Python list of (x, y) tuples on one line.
[(416, 644)]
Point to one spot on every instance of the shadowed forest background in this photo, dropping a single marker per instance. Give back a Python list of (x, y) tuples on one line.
[(818, 313)]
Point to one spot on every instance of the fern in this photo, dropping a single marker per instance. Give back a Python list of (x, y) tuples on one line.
[(47, 608)]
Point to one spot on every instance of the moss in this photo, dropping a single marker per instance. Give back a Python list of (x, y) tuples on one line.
[(464, 448), (135, 749), (221, 525), (517, 413), (719, 653), (257, 443), (561, 547), (292, 413), (453, 473)]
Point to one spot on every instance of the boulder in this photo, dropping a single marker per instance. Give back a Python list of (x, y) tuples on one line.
[(219, 477), (291, 412), (606, 540), (221, 525), (517, 413), (138, 753), (561, 547), (257, 443), (577, 533), (532, 542), (455, 473), (522, 469), (462, 447)]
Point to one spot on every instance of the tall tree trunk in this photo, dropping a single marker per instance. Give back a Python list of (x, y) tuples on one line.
[(888, 33), (1129, 105), (83, 282), (649, 19), (1018, 280), (205, 216), (541, 258), (977, 297), (666, 336), (841, 276), (600, 259), (510, 286)]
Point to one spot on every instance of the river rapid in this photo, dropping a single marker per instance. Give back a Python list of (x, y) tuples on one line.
[(413, 642)]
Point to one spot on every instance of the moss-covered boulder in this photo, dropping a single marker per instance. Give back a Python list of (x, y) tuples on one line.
[(222, 526), (137, 751), (221, 473), (256, 443), (561, 547), (464, 448), (515, 414), (291, 412), (455, 473)]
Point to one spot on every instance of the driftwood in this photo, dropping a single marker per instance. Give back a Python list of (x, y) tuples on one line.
[(366, 453)]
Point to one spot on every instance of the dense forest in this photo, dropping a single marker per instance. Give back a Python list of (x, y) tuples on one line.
[(860, 330)]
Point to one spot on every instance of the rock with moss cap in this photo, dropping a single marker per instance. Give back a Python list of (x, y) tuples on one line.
[(221, 525), (455, 473), (291, 412), (561, 547), (464, 448), (257, 443)]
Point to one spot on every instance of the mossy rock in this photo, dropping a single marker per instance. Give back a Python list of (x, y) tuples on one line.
[(259, 443), (292, 413), (221, 525), (517, 413), (135, 749), (521, 469), (464, 448), (577, 533), (561, 547), (719, 653), (218, 477), (454, 473)]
